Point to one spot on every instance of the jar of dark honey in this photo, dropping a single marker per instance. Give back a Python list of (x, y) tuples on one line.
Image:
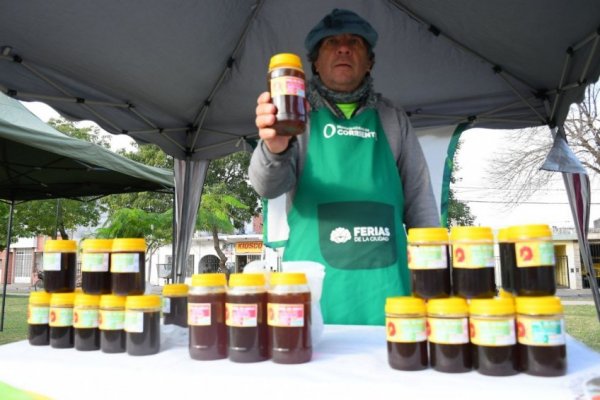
[(289, 318), (174, 304), (246, 318), (142, 325), (206, 317), (60, 265), (405, 322), (61, 320), (534, 266), (493, 339), (112, 323), (428, 262), (473, 273), (288, 93), (95, 266), (448, 335), (38, 313), (128, 266), (541, 336), (85, 322), (507, 260)]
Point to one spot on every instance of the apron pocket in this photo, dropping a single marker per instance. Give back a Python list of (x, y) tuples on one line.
[(357, 235)]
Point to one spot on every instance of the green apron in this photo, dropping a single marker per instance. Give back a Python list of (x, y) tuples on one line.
[(347, 214)]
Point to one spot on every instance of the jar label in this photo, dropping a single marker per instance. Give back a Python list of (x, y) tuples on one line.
[(448, 330), (85, 318), (496, 332), (406, 330), (134, 321), (199, 314), (51, 261), (166, 305), (287, 85), (94, 262), (285, 315), (37, 315), (109, 320), (473, 256), (125, 262), (60, 317), (540, 332), (534, 254), (427, 257), (241, 315)]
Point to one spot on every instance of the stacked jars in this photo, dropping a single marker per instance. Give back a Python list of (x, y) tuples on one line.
[(38, 313), (85, 322), (60, 265), (174, 304), (128, 266), (95, 266), (61, 320), (473, 262), (406, 333), (428, 262), (142, 324), (112, 323)]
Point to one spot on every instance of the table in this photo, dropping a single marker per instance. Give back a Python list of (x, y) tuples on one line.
[(348, 361)]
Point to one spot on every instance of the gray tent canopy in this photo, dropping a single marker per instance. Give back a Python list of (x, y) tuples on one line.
[(185, 75)]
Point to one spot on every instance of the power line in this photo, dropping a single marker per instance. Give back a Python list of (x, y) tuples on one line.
[(519, 203)]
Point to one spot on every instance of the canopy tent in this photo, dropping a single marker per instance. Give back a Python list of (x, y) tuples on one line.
[(38, 162), (186, 75)]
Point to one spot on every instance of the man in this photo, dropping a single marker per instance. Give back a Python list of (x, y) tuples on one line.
[(353, 179)]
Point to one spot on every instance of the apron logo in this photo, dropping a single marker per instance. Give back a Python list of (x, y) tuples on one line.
[(330, 130), (361, 234)]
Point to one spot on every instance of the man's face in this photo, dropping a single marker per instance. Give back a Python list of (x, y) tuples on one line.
[(343, 62)]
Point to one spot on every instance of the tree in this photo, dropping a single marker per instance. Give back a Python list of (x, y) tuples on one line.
[(517, 167), (459, 212)]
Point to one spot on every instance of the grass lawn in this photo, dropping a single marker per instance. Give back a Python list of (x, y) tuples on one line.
[(581, 322)]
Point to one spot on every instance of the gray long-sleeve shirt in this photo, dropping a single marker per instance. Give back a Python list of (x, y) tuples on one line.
[(272, 174)]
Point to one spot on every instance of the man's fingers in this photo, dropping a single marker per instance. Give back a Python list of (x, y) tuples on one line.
[(265, 97), (265, 120)]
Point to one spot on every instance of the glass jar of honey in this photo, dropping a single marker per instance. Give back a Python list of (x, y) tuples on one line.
[(128, 266), (493, 339), (246, 318), (85, 322), (61, 320), (473, 274), (174, 304), (406, 333), (112, 323), (38, 313), (289, 318), (541, 336), (288, 93), (206, 317), (95, 266), (428, 262), (534, 266), (60, 265), (448, 335), (142, 324)]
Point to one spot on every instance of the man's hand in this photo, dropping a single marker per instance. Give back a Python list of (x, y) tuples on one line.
[(265, 118)]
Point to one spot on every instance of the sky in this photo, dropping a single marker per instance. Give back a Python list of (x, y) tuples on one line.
[(476, 150)]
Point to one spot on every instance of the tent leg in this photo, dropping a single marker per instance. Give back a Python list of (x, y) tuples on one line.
[(8, 239)]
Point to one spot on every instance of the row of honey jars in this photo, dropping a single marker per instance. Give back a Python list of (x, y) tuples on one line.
[(113, 324), (114, 266), (247, 322), (527, 261), (453, 336)]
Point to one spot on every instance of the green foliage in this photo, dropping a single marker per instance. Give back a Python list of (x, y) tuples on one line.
[(218, 209), (89, 134), (459, 212)]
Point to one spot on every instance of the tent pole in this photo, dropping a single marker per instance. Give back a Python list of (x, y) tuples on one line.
[(5, 278)]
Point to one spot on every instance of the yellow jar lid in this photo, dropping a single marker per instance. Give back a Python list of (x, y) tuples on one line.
[(212, 279), (39, 297), (405, 305), (175, 289), (283, 60), (447, 306), (287, 278), (99, 245), (503, 236), (543, 305), (143, 301), (505, 293), (424, 235), (129, 245), (62, 299), (246, 280), (60, 246), (460, 233), (82, 299), (524, 232), (111, 300), (495, 306)]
